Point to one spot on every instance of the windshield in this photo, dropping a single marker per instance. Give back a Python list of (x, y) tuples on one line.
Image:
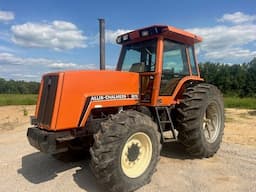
[(138, 57)]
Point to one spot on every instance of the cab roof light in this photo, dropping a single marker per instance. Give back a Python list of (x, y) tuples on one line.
[(122, 38), (144, 33), (150, 31), (119, 39), (125, 37)]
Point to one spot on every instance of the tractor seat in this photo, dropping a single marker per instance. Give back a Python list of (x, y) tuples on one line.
[(137, 67)]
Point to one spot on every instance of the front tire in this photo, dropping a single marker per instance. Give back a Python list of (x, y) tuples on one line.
[(200, 120), (126, 151)]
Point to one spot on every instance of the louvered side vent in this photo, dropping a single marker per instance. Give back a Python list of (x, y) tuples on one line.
[(47, 99)]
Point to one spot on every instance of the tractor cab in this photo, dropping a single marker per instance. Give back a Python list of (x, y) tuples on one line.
[(165, 59)]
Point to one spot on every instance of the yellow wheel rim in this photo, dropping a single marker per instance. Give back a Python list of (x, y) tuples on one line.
[(136, 155)]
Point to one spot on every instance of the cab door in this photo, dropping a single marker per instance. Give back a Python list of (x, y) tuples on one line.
[(175, 68)]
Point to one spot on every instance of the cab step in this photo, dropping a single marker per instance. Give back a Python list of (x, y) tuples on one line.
[(166, 127)]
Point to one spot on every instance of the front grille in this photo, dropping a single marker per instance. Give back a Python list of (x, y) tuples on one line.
[(50, 83)]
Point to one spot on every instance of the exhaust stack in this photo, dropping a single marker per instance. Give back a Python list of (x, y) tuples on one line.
[(102, 43)]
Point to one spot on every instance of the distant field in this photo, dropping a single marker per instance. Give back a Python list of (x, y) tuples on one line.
[(17, 99), (241, 103), (30, 99)]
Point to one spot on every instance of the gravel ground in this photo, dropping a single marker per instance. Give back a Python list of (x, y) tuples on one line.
[(233, 168)]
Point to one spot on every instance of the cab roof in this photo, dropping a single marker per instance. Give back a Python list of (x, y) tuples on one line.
[(168, 32)]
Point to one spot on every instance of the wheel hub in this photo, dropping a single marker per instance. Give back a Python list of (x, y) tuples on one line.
[(211, 123), (136, 155), (133, 152)]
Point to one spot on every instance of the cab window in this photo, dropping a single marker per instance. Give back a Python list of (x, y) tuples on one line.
[(174, 59), (192, 60), (138, 57), (175, 66)]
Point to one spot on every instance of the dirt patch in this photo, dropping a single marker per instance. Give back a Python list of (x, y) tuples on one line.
[(233, 168), (13, 117), (252, 113), (240, 126)]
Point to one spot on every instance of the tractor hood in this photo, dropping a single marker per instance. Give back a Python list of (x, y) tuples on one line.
[(66, 98)]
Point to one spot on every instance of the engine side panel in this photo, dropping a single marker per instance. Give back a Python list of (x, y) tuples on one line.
[(96, 89)]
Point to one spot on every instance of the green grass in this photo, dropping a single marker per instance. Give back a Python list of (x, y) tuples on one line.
[(240, 103), (30, 99), (18, 99)]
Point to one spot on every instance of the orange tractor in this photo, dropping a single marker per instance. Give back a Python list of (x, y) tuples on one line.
[(123, 117)]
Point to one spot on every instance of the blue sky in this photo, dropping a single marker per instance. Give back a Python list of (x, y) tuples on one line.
[(52, 35)]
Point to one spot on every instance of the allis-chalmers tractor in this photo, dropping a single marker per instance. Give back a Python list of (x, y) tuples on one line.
[(123, 117)]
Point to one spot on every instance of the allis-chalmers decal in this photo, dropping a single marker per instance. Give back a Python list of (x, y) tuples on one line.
[(114, 97)]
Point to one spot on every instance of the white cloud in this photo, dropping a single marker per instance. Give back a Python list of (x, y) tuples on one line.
[(5, 36), (226, 36), (22, 76), (6, 16), (62, 65), (8, 58), (59, 65), (11, 59), (23, 68), (111, 35), (234, 53), (6, 49), (227, 43), (64, 25), (58, 35), (237, 18)]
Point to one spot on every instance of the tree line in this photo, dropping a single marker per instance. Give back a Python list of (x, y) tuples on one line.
[(18, 87), (233, 80)]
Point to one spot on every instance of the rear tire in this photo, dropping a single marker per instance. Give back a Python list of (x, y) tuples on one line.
[(200, 120), (126, 151)]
